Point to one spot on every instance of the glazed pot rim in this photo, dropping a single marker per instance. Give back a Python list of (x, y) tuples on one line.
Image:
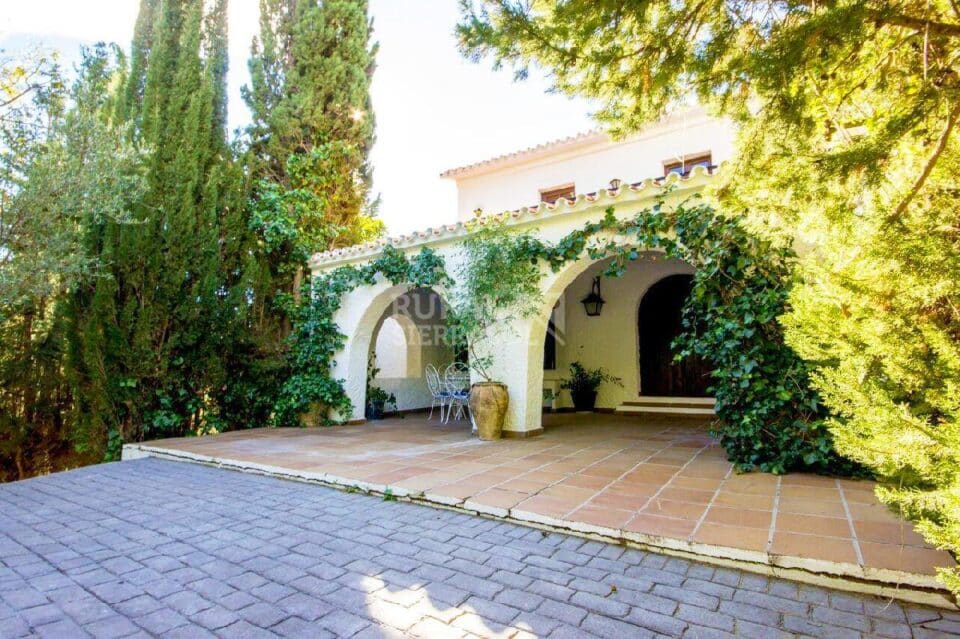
[(489, 384)]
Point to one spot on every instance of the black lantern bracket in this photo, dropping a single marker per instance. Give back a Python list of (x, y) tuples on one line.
[(593, 303)]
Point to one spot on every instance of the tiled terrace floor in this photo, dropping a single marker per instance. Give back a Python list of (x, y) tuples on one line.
[(659, 481)]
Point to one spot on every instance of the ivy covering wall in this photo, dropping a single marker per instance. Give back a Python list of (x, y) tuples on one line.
[(316, 339)]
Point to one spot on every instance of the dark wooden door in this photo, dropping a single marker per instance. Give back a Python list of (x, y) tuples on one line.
[(659, 321)]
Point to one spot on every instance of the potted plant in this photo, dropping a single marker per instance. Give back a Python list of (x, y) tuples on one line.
[(497, 284), (377, 398), (583, 384)]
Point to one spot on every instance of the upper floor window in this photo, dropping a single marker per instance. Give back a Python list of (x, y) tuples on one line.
[(684, 164), (550, 196)]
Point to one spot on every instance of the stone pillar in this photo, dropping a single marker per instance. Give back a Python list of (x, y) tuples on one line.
[(516, 364)]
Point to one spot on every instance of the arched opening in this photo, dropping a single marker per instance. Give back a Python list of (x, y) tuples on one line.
[(566, 333), (659, 323), (409, 336)]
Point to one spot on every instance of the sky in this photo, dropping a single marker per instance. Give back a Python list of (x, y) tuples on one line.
[(434, 109)]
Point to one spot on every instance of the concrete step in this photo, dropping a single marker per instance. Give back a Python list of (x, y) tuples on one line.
[(698, 406)]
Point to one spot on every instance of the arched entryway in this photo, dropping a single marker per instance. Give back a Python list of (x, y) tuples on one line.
[(410, 335), (659, 323)]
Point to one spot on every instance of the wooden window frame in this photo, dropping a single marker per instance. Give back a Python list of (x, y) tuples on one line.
[(554, 193), (686, 163)]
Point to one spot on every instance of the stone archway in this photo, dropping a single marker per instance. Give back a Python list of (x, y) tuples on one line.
[(362, 310)]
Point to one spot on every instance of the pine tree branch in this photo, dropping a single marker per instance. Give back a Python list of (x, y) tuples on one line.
[(899, 20), (931, 161)]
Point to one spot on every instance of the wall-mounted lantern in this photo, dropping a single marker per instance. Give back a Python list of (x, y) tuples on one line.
[(614, 184), (593, 303)]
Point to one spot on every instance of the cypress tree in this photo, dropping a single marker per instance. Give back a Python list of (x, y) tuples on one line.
[(146, 350), (308, 165), (312, 129)]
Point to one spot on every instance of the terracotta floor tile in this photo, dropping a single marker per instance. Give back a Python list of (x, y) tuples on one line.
[(804, 506), (618, 500), (686, 494), (739, 517), (905, 558), (813, 525), (860, 495), (741, 500), (813, 481), (732, 536), (873, 512), (883, 532), (660, 526), (666, 460), (573, 493), (695, 483), (394, 476), (652, 473), (546, 506), (420, 482), (810, 492), (499, 498), (751, 484), (523, 486), (814, 546), (711, 470), (458, 490), (601, 471), (632, 490), (678, 509), (606, 517), (547, 478), (618, 463), (584, 481)]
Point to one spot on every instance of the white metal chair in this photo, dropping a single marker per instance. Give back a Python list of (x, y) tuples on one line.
[(438, 393), (456, 379)]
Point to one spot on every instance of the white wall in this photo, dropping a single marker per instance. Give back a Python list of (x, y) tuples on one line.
[(591, 167), (610, 340)]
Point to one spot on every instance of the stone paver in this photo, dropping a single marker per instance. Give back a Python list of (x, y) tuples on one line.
[(159, 548)]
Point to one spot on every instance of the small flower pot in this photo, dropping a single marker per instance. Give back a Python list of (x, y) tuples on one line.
[(584, 401), (375, 410), (488, 408)]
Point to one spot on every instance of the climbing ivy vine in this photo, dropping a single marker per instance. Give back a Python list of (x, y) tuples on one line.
[(311, 392), (769, 418)]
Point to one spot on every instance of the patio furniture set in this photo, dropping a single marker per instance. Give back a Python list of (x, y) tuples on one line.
[(450, 391)]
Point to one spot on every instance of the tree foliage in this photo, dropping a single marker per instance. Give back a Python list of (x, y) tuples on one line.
[(145, 340), (149, 268), (848, 142), (62, 170), (309, 97)]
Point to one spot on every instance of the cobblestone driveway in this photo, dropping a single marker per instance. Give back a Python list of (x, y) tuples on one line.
[(154, 548)]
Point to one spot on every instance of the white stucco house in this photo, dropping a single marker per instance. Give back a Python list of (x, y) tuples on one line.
[(550, 190)]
